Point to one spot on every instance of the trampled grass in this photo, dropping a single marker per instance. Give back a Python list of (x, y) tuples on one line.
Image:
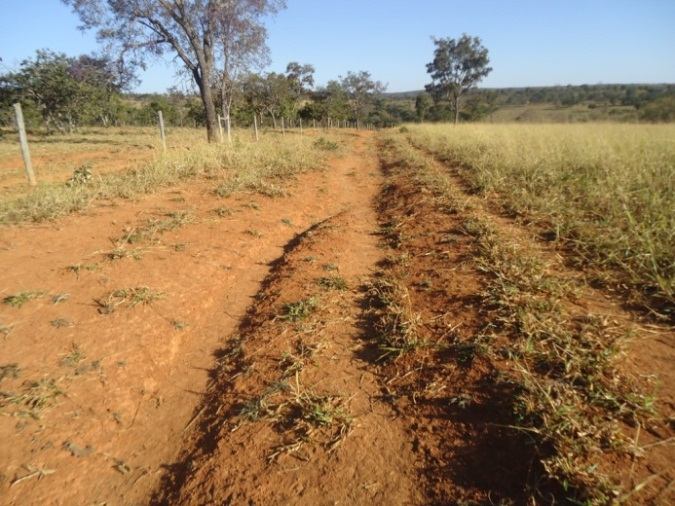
[(607, 190), (243, 164)]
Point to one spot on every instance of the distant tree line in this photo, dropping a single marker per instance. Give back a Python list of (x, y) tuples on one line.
[(61, 93), (651, 103)]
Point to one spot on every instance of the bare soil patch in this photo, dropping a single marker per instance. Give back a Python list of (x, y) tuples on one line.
[(327, 346), (107, 360)]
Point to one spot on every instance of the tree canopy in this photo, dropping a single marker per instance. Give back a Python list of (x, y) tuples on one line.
[(63, 89), (362, 92), (457, 67), (213, 39)]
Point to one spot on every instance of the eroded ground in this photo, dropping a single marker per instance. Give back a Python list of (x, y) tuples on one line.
[(189, 349)]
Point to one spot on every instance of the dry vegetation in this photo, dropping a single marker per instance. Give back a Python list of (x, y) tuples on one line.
[(515, 262), (601, 196), (244, 164), (607, 191)]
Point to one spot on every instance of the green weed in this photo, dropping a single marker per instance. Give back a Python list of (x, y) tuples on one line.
[(325, 145), (299, 310), (19, 299), (333, 283)]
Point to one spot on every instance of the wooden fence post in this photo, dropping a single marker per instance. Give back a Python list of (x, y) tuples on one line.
[(161, 129), (255, 126), (220, 128), (18, 114), (229, 132)]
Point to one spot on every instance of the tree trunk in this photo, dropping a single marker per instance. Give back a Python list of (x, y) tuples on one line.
[(456, 109), (209, 106)]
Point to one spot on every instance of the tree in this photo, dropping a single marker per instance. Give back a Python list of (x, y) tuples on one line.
[(202, 34), (457, 67), (64, 89), (301, 81), (269, 94), (660, 110), (422, 105), (362, 92), (480, 106), (242, 44), (100, 82), (330, 102)]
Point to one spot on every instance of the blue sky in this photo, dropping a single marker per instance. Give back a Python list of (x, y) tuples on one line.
[(531, 42)]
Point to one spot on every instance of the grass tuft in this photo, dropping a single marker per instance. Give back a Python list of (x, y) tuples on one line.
[(295, 311), (19, 299)]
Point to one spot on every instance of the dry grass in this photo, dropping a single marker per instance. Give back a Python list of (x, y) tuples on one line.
[(244, 164), (132, 297), (397, 323), (607, 191), (570, 397), (558, 360), (32, 400)]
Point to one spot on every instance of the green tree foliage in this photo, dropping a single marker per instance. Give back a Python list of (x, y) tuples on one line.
[(480, 106), (64, 90), (209, 37), (423, 103), (270, 94), (300, 81), (661, 110), (457, 67), (362, 92), (328, 103)]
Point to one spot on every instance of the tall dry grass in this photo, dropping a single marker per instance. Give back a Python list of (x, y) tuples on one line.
[(607, 190)]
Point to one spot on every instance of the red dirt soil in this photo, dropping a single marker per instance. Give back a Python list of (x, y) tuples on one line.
[(105, 403)]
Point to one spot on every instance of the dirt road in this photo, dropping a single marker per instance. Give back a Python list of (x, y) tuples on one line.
[(120, 388), (189, 349)]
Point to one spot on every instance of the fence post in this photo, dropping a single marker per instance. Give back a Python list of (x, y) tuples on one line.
[(18, 114), (255, 126), (161, 129), (301, 127), (229, 133)]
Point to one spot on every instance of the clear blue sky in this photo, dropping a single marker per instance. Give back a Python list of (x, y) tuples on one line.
[(531, 42)]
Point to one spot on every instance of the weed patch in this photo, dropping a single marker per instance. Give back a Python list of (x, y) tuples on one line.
[(325, 145), (333, 283), (398, 324), (132, 297), (33, 398), (603, 192), (19, 299), (295, 311)]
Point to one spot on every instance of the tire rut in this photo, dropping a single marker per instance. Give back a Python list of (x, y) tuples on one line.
[(295, 413)]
